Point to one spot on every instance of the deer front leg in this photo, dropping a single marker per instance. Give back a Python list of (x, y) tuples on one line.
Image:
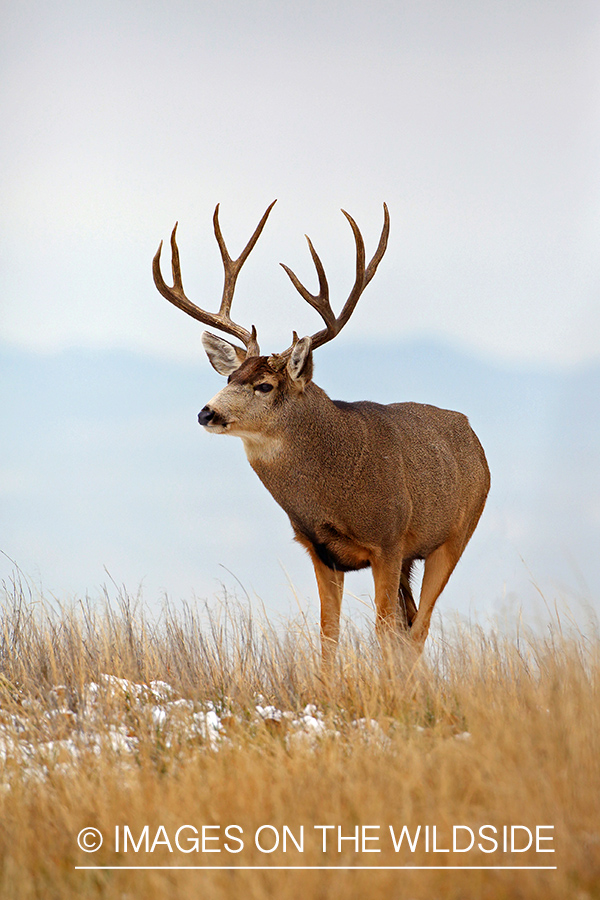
[(331, 587), (330, 583)]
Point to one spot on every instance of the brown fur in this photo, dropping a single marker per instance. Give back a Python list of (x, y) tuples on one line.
[(363, 485), (252, 371)]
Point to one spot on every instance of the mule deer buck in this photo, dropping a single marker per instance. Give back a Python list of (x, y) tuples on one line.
[(363, 484)]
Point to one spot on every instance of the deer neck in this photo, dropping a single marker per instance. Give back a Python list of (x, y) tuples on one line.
[(262, 449), (312, 441)]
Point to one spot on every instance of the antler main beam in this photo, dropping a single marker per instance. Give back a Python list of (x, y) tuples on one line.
[(320, 301), (222, 319)]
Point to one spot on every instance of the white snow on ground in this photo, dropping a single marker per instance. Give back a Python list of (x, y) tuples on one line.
[(112, 710)]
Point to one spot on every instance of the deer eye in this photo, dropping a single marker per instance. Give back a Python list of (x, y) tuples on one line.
[(264, 388)]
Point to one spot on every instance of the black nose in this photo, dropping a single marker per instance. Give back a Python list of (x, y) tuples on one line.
[(205, 415)]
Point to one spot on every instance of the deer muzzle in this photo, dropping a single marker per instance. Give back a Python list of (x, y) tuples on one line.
[(213, 420), (206, 416)]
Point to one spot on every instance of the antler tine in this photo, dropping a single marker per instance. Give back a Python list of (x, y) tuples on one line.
[(320, 302), (220, 320), (381, 246), (176, 294), (363, 276), (233, 266), (175, 266)]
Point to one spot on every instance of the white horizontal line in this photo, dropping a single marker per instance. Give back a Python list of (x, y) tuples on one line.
[(320, 868)]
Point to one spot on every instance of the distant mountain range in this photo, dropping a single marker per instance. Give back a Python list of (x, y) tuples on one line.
[(103, 466)]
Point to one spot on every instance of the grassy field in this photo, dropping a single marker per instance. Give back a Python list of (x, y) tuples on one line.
[(210, 740)]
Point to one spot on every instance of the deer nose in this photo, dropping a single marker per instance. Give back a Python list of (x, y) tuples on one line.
[(205, 415)]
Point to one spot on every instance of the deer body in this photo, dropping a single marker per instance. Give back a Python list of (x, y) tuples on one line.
[(351, 486), (363, 484)]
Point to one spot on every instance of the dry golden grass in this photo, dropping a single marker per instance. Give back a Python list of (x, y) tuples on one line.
[(488, 730)]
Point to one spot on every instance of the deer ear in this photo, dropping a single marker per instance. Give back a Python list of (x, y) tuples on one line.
[(223, 356), (300, 366)]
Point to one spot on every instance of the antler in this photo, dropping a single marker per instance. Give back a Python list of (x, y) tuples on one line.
[(320, 301), (220, 320)]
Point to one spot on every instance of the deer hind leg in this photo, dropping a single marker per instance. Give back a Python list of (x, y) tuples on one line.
[(386, 575), (439, 565), (406, 601)]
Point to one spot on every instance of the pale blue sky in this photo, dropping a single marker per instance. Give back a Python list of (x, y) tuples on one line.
[(477, 122)]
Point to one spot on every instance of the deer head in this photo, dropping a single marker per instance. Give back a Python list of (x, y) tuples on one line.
[(258, 385)]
